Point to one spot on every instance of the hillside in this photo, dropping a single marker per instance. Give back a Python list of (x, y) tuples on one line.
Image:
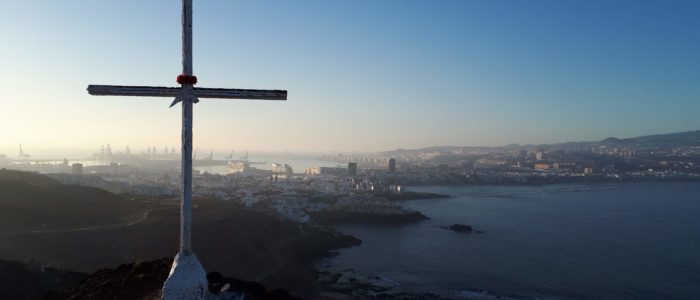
[(679, 139), (29, 178), (244, 244), (25, 281), (30, 201), (659, 140)]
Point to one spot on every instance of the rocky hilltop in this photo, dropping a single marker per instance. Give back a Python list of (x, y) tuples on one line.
[(144, 280), (87, 229)]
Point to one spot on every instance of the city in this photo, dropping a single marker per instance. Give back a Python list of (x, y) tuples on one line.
[(343, 150), (372, 184)]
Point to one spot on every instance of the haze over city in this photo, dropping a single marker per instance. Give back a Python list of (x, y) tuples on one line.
[(362, 75), (412, 150)]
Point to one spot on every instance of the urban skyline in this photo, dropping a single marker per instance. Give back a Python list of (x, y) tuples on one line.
[(42, 153), (362, 76)]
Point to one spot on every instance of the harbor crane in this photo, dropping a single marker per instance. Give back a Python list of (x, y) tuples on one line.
[(22, 154)]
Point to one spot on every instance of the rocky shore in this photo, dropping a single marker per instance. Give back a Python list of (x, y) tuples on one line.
[(410, 195), (350, 284)]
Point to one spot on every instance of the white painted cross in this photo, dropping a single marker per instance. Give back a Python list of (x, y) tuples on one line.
[(187, 279)]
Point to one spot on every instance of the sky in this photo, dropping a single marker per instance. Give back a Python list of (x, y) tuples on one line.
[(361, 75)]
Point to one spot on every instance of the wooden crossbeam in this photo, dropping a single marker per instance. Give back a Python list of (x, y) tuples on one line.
[(121, 90), (240, 94), (156, 91)]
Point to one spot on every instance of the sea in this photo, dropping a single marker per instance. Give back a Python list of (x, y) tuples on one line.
[(567, 241)]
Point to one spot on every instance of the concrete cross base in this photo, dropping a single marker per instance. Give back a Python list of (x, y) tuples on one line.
[(187, 279)]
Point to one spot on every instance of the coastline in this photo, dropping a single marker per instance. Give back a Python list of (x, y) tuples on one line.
[(502, 212), (412, 195), (550, 180), (350, 284), (330, 218), (290, 255)]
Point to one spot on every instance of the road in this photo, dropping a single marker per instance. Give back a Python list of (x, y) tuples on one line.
[(139, 219)]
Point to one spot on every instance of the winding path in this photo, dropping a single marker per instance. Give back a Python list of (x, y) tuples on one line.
[(143, 217), (274, 250)]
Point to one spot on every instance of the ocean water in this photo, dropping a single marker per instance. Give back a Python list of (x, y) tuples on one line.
[(599, 241)]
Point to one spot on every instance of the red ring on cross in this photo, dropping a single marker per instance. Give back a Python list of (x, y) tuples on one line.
[(186, 79)]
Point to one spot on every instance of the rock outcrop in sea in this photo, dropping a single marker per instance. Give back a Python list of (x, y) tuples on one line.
[(461, 228)]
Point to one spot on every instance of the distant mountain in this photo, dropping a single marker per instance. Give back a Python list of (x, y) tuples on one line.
[(687, 138), (30, 201), (680, 139), (611, 140)]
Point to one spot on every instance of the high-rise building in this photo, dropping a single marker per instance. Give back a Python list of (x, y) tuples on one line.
[(392, 165), (352, 169), (539, 155)]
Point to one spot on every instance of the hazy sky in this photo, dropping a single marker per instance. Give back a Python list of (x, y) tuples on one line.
[(361, 75)]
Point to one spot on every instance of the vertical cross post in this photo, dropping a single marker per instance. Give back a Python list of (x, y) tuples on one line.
[(187, 279), (186, 203)]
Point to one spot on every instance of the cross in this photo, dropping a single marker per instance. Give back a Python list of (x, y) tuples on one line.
[(187, 279)]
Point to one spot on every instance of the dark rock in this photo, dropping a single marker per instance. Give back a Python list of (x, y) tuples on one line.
[(140, 280), (217, 282), (279, 294), (144, 280), (461, 228)]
